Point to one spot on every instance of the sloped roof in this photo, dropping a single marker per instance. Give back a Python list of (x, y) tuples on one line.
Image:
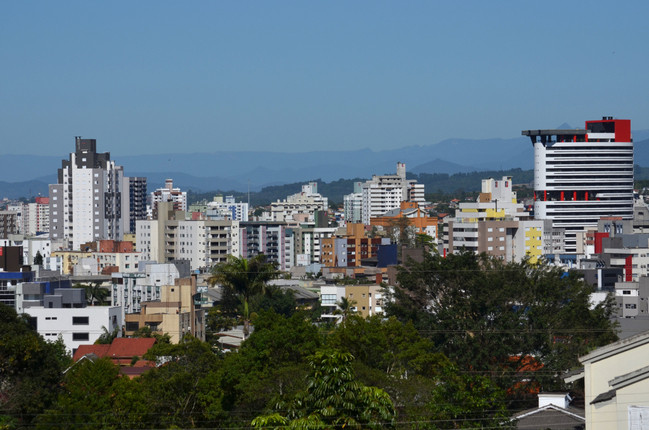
[(132, 372), (122, 347), (130, 347), (551, 417), (98, 350), (616, 348)]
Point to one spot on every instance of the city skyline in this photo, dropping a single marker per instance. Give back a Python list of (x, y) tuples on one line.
[(293, 77)]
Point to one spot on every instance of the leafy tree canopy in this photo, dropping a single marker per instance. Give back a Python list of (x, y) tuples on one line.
[(497, 317), (30, 368), (244, 278), (333, 399)]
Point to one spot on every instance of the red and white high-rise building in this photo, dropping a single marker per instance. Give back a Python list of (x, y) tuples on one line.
[(582, 175)]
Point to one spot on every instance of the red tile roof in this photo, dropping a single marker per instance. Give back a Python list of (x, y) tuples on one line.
[(121, 348), (98, 350), (130, 347)]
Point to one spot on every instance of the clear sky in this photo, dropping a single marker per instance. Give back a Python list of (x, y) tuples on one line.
[(170, 76)]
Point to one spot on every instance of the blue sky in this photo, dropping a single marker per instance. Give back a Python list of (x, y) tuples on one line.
[(204, 76)]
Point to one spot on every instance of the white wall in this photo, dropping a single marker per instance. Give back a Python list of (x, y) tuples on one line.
[(55, 322)]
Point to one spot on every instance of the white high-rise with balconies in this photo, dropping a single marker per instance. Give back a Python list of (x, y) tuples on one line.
[(386, 192), (582, 175), (91, 200)]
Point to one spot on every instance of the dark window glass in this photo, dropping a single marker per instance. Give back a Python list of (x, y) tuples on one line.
[(80, 336), (80, 321)]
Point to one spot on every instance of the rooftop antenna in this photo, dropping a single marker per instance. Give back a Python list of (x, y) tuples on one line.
[(248, 192)]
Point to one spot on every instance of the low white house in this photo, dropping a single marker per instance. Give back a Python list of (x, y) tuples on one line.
[(66, 314)]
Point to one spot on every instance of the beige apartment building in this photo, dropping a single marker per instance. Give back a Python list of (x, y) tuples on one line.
[(175, 314)]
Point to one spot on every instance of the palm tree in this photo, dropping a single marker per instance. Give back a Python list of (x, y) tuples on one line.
[(346, 308), (245, 278), (95, 293)]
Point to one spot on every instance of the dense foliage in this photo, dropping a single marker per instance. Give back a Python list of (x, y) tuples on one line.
[(510, 321), (468, 341), (30, 369)]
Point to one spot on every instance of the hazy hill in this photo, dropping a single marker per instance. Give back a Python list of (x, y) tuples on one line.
[(22, 175)]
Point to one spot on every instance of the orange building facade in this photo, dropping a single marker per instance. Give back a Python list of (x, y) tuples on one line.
[(417, 218)]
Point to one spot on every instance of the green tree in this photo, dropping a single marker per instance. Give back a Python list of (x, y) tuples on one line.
[(271, 363), (280, 301), (38, 259), (496, 317), (333, 399), (345, 309), (30, 369), (145, 331), (401, 231), (461, 400), (393, 356), (184, 392), (422, 240), (89, 397), (95, 293), (245, 278), (388, 345), (106, 337)]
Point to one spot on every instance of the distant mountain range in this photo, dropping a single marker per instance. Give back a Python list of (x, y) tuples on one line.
[(22, 175)]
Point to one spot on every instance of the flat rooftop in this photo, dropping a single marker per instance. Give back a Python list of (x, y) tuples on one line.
[(555, 132)]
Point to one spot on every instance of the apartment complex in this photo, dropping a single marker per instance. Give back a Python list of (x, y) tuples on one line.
[(273, 239), (172, 236), (175, 313), (227, 208), (33, 218), (91, 199), (299, 207), (168, 193), (418, 219), (384, 193), (582, 175), (137, 201), (9, 223), (350, 248), (353, 204), (498, 225)]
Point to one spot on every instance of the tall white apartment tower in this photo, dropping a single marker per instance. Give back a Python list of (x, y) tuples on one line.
[(169, 194), (91, 199), (583, 175), (386, 192)]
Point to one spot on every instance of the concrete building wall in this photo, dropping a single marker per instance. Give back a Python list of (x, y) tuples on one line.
[(603, 366), (76, 326)]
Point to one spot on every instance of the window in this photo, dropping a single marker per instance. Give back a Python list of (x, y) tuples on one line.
[(80, 321), (328, 299), (80, 336)]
